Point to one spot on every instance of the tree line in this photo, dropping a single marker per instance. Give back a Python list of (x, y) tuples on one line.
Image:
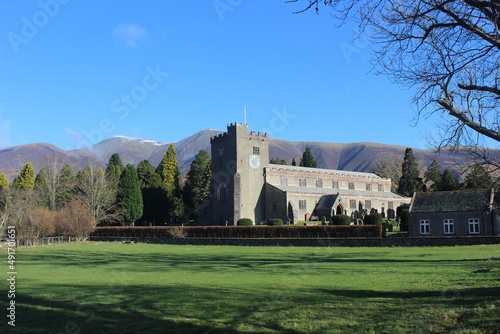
[(58, 202), (407, 177)]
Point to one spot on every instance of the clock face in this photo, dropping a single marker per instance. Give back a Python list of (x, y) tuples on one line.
[(254, 161)]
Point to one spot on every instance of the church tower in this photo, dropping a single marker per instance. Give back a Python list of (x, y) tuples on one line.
[(238, 161)]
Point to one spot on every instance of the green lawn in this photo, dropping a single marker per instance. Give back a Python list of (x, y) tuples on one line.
[(140, 288)]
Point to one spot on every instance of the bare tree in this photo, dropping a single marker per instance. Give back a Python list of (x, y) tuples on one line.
[(97, 194), (54, 183), (447, 50), (389, 167)]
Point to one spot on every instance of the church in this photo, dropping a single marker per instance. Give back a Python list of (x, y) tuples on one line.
[(246, 185)]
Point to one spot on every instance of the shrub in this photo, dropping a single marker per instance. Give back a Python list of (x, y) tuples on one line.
[(244, 222), (373, 219), (275, 222), (341, 220)]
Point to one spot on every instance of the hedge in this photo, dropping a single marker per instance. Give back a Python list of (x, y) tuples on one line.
[(244, 222), (239, 232)]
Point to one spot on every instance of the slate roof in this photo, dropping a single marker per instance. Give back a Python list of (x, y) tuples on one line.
[(451, 201), (333, 191), (326, 202)]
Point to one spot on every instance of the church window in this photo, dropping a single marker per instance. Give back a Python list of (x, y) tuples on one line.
[(380, 187), (283, 181), (221, 193), (256, 150), (335, 184), (352, 204), (319, 183), (368, 187), (368, 204), (303, 182), (351, 185), (302, 204)]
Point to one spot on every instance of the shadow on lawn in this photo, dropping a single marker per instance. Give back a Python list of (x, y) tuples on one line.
[(469, 296), (140, 309), (217, 261)]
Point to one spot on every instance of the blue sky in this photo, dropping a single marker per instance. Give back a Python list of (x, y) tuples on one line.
[(74, 72)]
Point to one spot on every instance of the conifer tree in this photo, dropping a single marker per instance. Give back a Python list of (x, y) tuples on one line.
[(169, 170), (4, 183), (129, 196), (308, 159), (448, 181), (27, 177), (115, 166), (410, 181), (170, 175), (293, 162), (154, 196), (197, 186), (478, 178), (433, 174)]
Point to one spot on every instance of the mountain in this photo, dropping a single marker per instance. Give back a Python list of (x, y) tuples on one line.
[(352, 157)]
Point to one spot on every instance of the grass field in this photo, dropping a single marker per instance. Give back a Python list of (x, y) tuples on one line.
[(140, 288)]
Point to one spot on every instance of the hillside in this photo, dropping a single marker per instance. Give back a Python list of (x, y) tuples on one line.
[(353, 156)]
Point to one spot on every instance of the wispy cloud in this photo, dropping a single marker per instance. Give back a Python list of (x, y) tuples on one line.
[(130, 35)]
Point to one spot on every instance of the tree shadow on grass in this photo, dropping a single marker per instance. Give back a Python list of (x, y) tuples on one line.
[(139, 309)]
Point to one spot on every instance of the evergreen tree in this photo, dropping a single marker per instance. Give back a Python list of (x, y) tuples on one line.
[(410, 181), (169, 170), (308, 159), (27, 177), (154, 196), (478, 178), (277, 161), (115, 166), (293, 162), (4, 183), (197, 186), (433, 174), (448, 181), (129, 196), (170, 175)]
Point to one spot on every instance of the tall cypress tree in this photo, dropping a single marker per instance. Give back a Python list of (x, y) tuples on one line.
[(27, 177), (129, 196), (169, 170), (154, 196), (197, 186), (115, 166), (170, 175), (409, 181), (308, 159)]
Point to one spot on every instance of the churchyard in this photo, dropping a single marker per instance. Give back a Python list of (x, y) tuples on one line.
[(141, 288)]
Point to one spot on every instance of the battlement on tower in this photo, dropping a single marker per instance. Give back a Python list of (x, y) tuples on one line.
[(231, 130)]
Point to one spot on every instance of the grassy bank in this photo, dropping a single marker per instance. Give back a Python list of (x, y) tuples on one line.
[(140, 288)]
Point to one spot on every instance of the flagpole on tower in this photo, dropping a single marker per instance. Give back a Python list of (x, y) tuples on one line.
[(245, 113)]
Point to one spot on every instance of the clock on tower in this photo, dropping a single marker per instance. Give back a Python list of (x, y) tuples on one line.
[(254, 161)]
